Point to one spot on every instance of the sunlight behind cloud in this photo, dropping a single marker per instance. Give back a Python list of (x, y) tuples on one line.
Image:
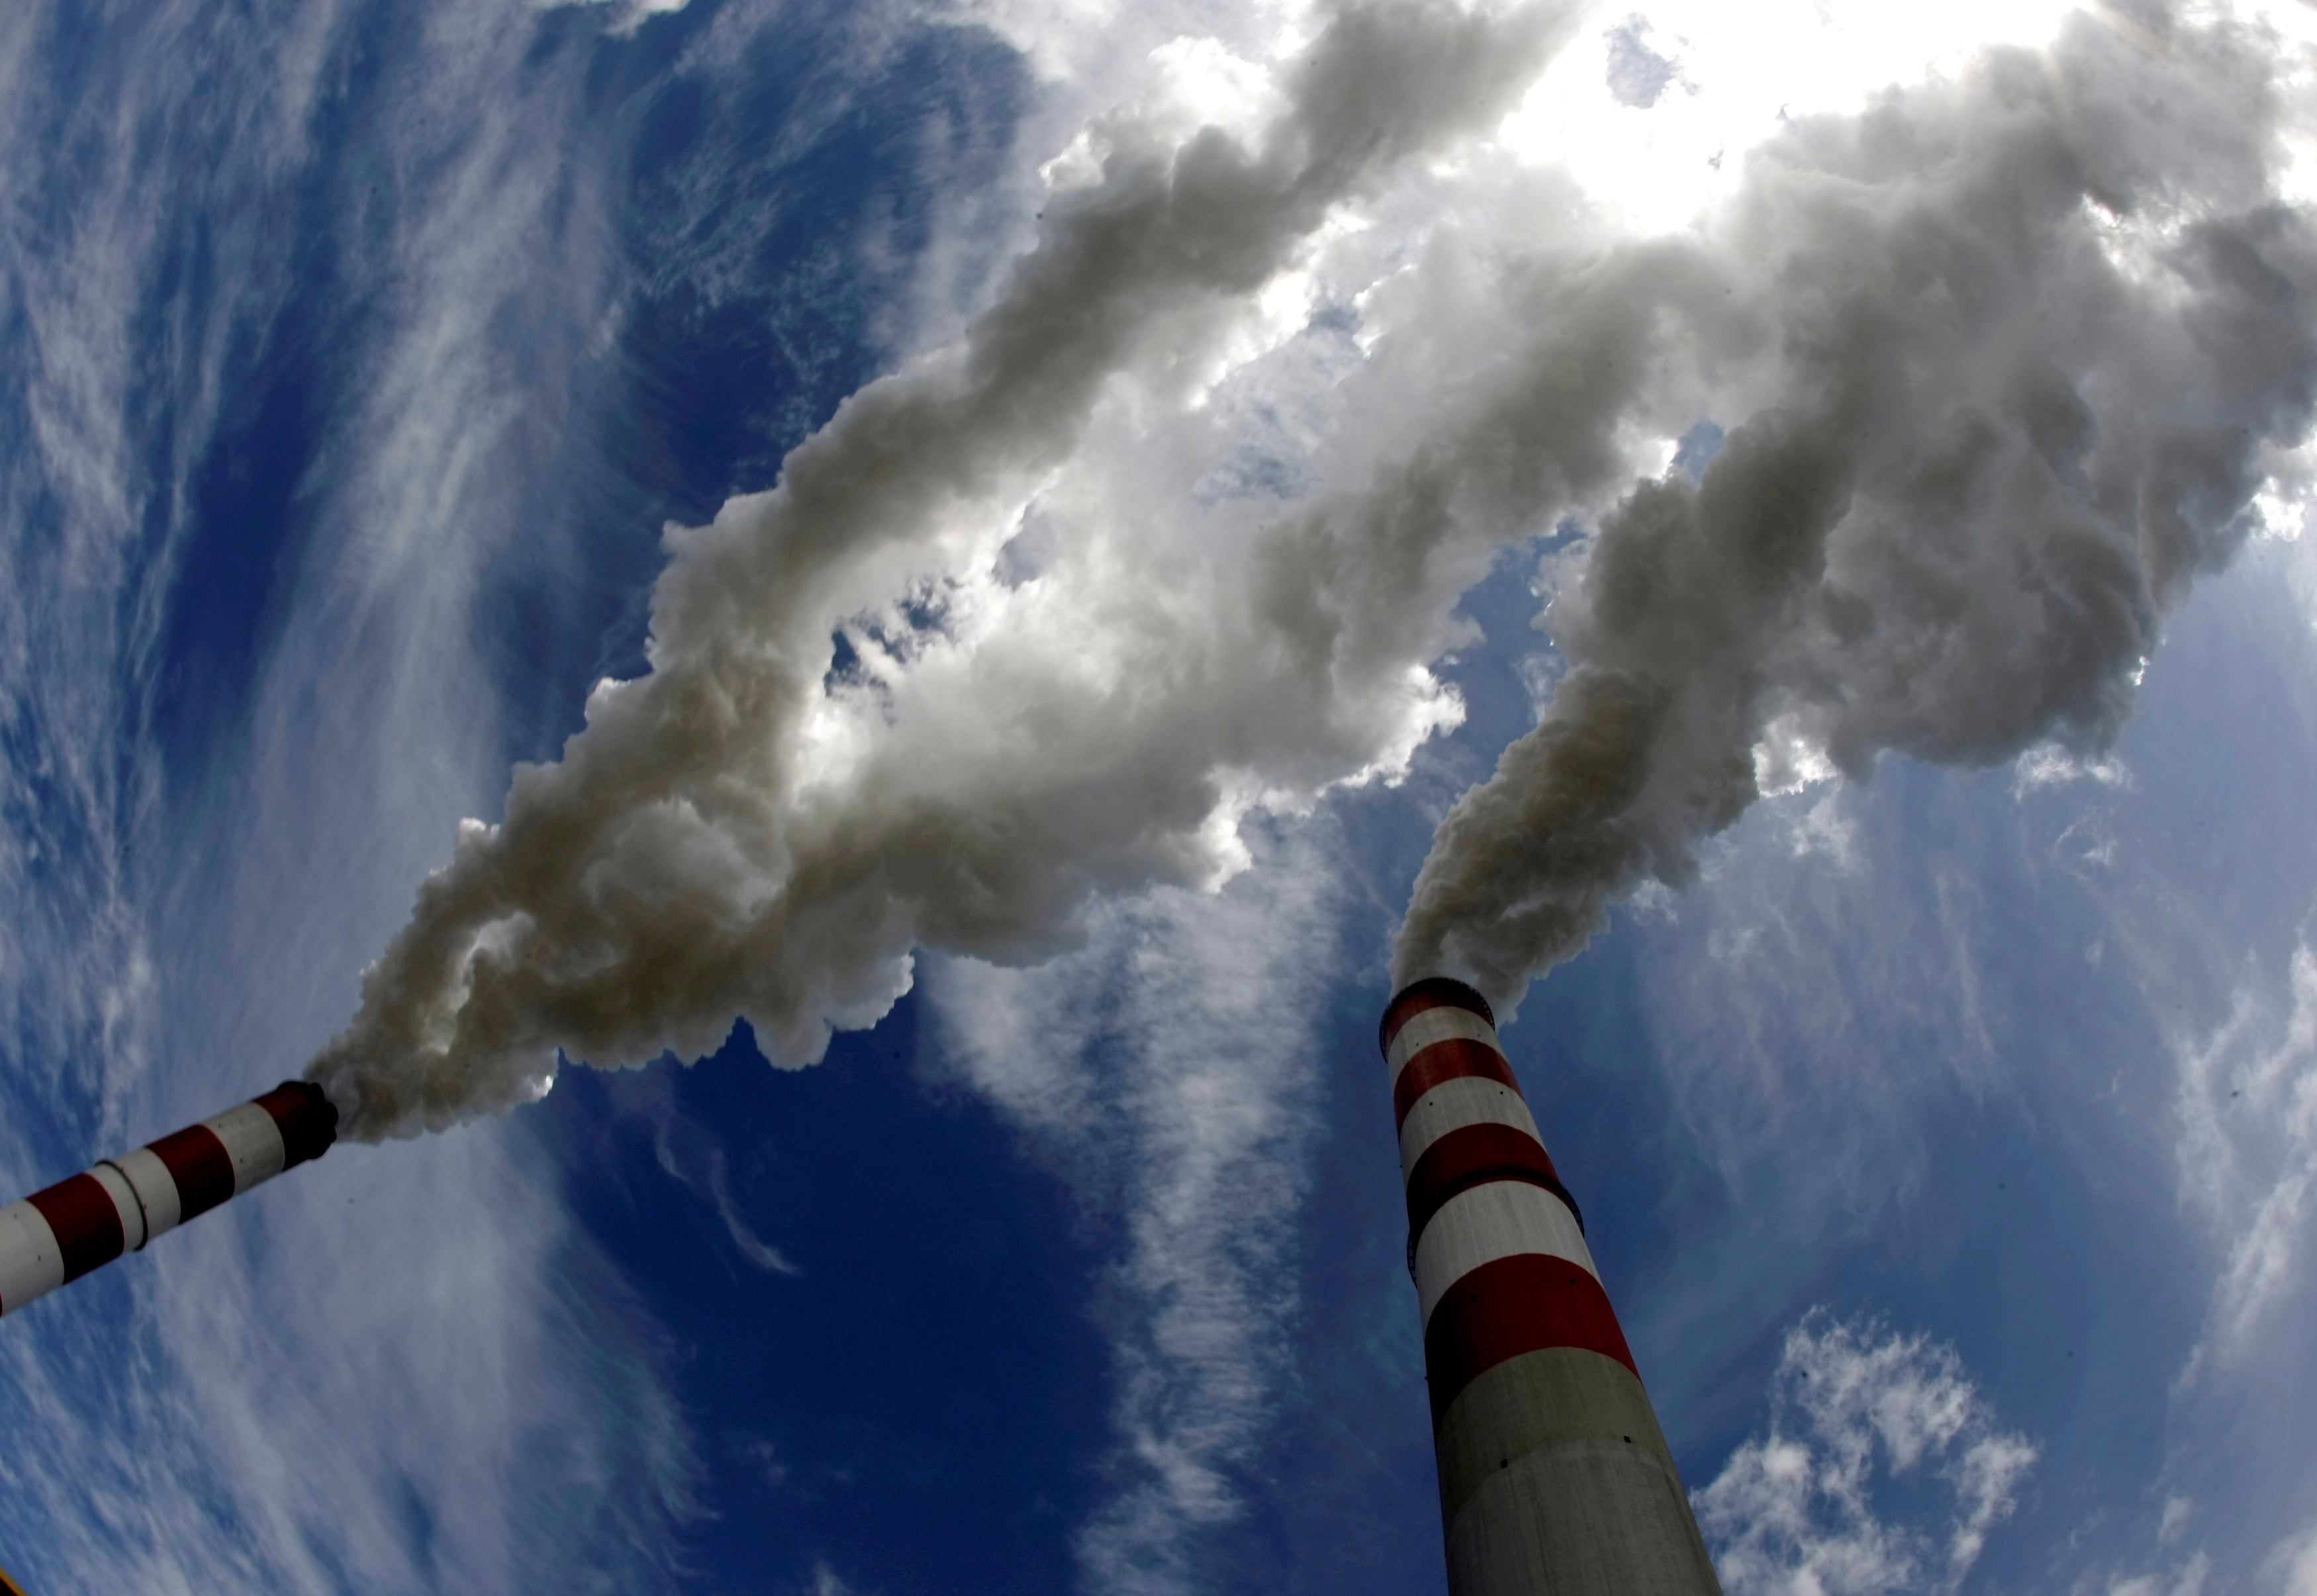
[(1654, 112)]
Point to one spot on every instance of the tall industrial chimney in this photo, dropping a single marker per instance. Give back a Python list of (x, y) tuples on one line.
[(1554, 1478), (61, 1233)]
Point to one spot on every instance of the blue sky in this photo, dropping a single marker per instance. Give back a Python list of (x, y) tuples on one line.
[(1947, 1142)]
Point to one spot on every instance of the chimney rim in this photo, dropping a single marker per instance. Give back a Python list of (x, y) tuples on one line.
[(1447, 989)]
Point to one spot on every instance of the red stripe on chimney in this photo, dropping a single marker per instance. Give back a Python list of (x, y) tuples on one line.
[(1511, 1306), (1472, 1155), (87, 1225), (200, 1165), (1446, 1060)]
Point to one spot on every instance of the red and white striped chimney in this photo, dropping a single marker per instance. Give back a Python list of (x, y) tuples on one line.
[(1554, 1478), (61, 1233)]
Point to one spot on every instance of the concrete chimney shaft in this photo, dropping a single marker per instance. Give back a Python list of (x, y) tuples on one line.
[(61, 1233), (1554, 1478)]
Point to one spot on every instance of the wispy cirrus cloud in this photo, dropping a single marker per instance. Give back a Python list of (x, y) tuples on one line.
[(406, 1374), (1165, 1072), (2248, 1150)]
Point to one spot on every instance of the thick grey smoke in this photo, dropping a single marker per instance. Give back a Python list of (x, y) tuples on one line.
[(2002, 363), (2023, 348), (695, 854)]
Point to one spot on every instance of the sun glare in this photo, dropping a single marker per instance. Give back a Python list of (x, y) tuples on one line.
[(1652, 112)]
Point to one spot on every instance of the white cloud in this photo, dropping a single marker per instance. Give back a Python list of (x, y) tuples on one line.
[(697, 1160), (1848, 627), (1822, 984), (347, 1380), (625, 16), (1855, 1409), (913, 751), (983, 754), (367, 739), (2247, 1149), (1726, 78), (1094, 51), (2047, 765), (2292, 1565), (409, 1373), (1827, 828), (2177, 1511), (1168, 1072), (2188, 1579)]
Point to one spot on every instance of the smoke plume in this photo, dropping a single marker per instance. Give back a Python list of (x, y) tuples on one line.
[(2021, 349), (719, 841), (2002, 363)]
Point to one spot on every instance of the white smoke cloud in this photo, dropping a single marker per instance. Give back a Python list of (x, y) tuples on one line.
[(2011, 351), (2002, 360), (1856, 1408), (763, 826)]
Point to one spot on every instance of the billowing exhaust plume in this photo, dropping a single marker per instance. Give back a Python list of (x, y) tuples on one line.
[(2025, 348), (708, 846), (2002, 365)]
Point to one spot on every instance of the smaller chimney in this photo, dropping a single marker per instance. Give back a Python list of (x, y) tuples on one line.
[(1554, 1479), (59, 1234)]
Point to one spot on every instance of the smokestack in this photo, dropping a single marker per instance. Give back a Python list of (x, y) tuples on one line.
[(74, 1226), (1554, 1478)]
